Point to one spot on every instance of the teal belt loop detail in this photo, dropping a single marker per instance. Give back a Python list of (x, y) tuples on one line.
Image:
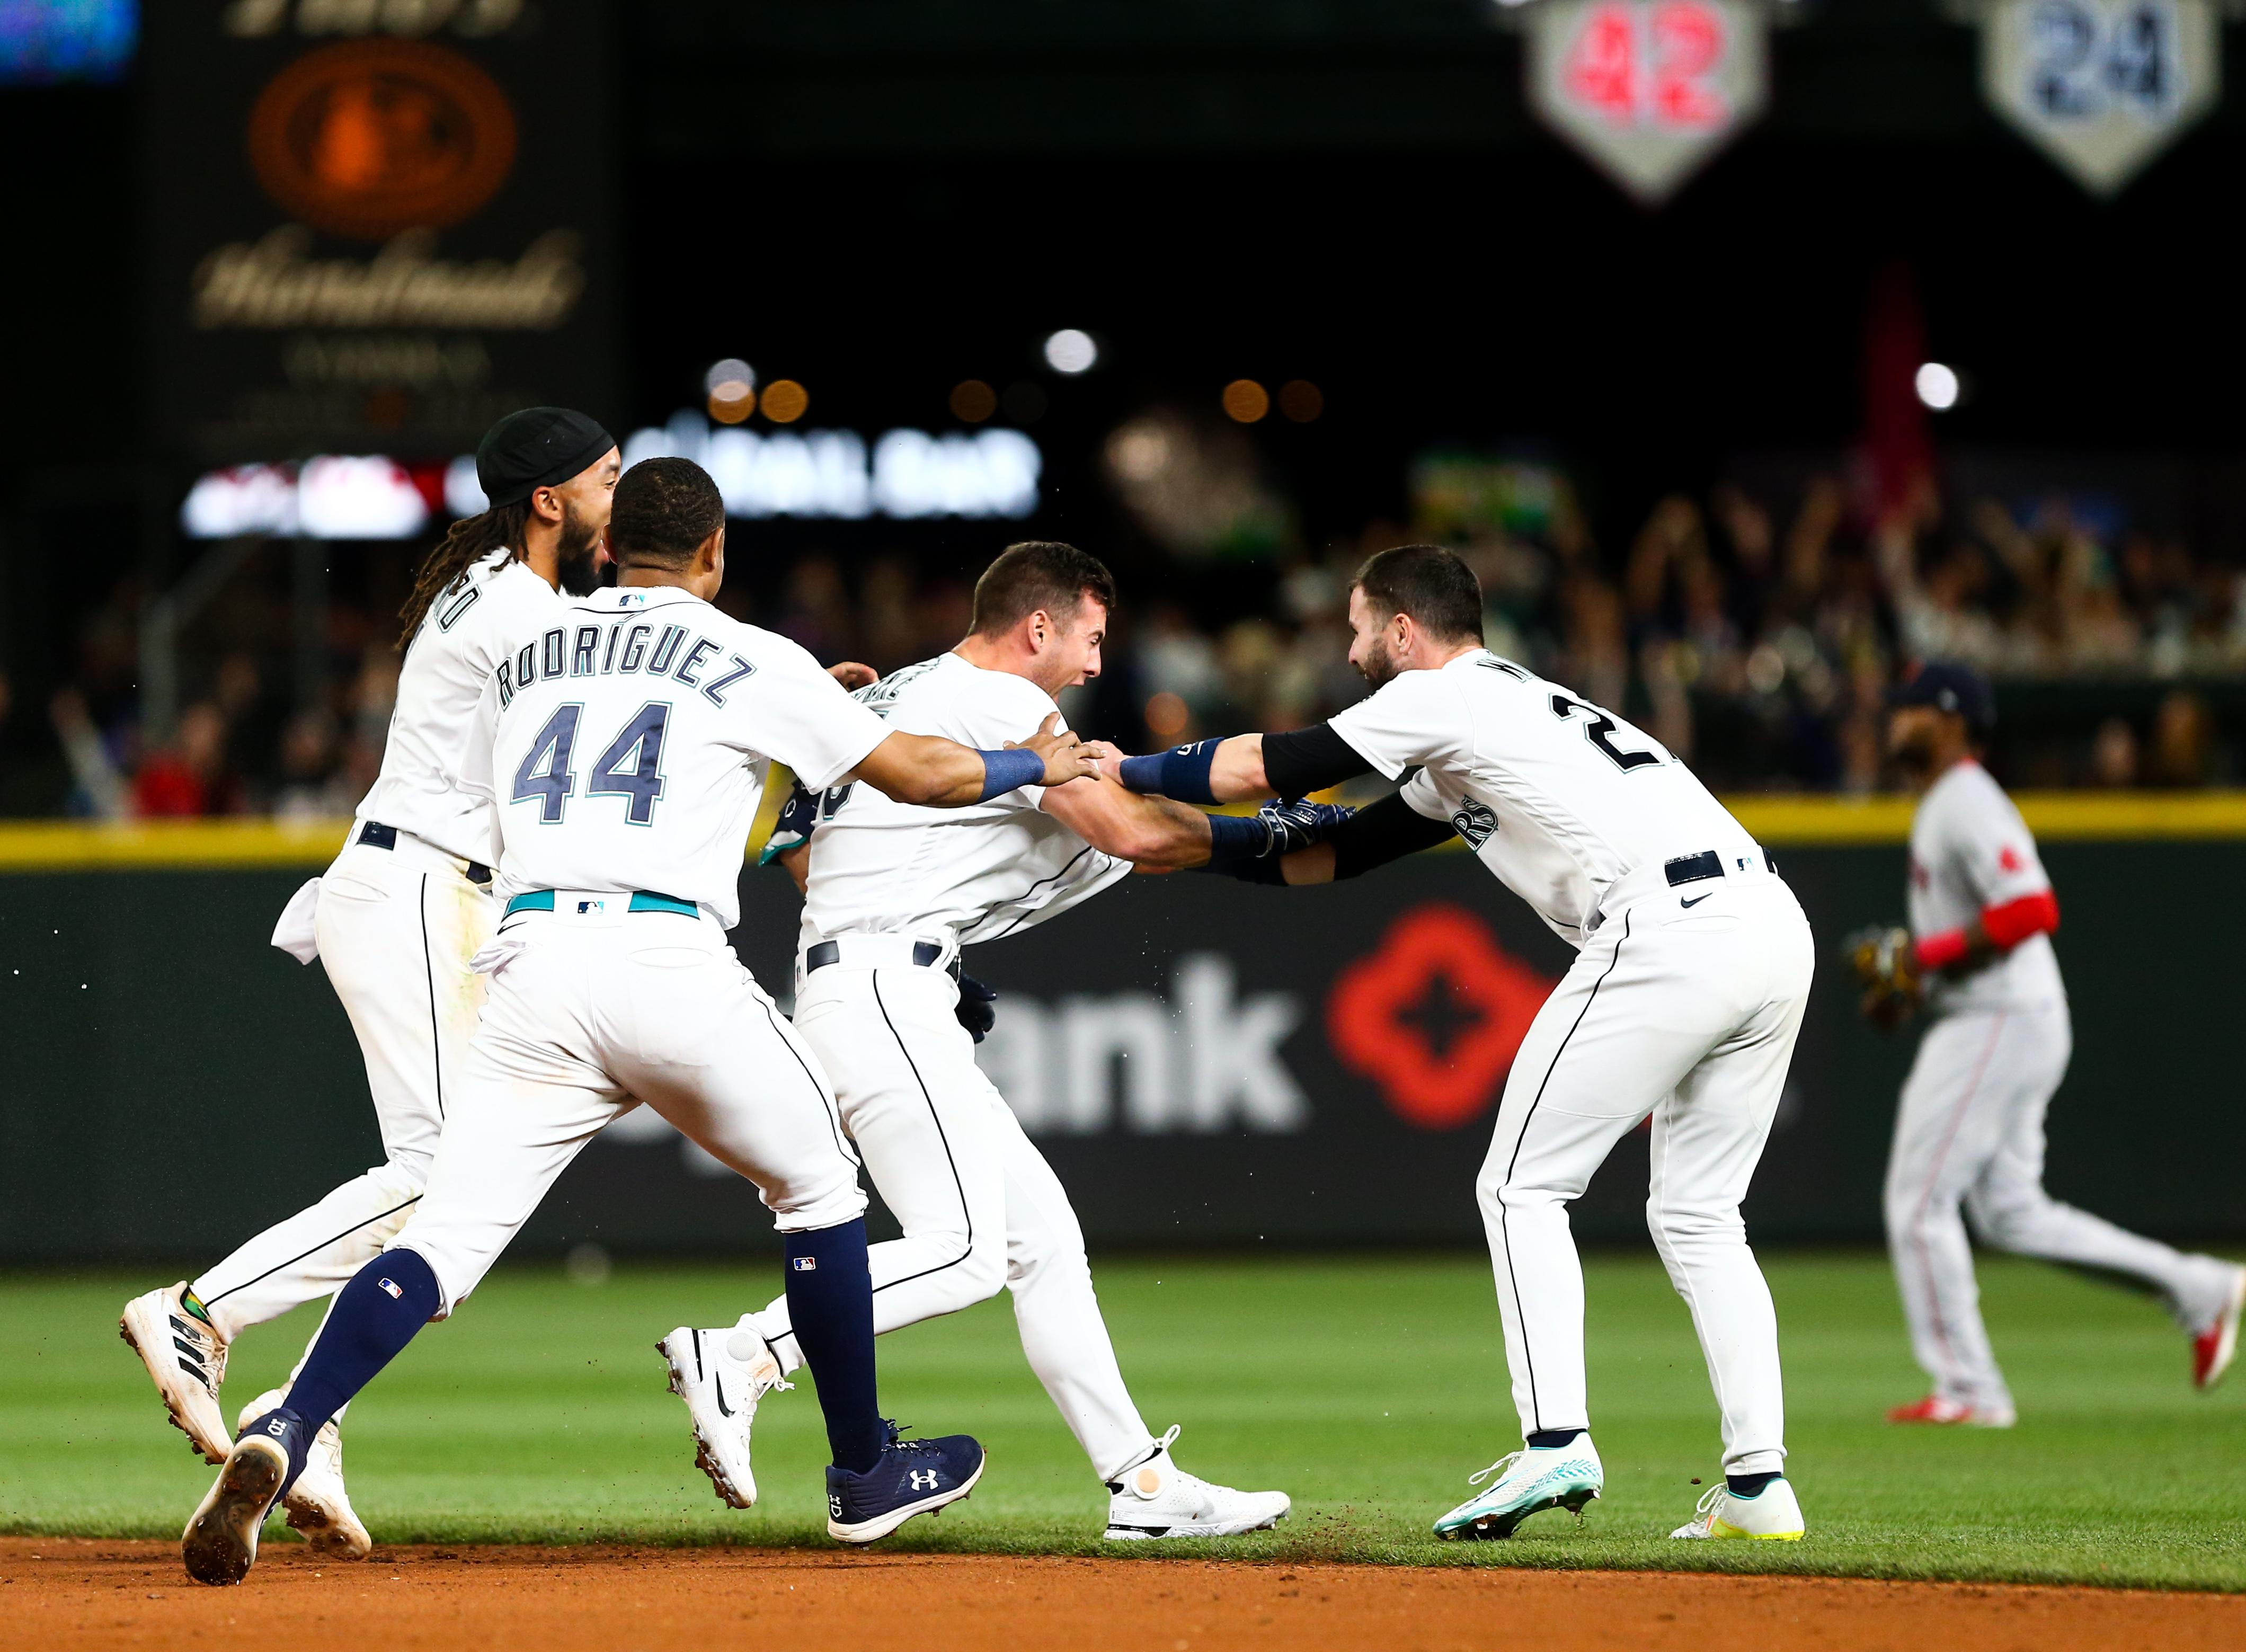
[(531, 900), (648, 901)]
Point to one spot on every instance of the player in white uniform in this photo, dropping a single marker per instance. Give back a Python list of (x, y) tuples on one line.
[(893, 894), (1969, 1130), (631, 735), (1683, 1003), (395, 920)]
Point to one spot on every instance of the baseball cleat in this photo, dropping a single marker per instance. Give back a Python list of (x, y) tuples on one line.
[(220, 1542), (317, 1505), (914, 1477), (187, 1360), (2213, 1350), (1772, 1514), (1156, 1499), (721, 1375), (1935, 1408), (1531, 1481)]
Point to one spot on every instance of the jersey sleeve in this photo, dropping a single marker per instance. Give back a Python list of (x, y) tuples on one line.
[(1419, 792), (1994, 850), (1410, 719), (797, 713)]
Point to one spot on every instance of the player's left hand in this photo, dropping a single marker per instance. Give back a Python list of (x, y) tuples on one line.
[(797, 818), (852, 674), (1887, 963), (979, 1007), (1062, 750), (1294, 824)]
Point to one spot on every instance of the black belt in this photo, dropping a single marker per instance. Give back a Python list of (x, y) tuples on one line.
[(375, 835), (925, 953), (1692, 868)]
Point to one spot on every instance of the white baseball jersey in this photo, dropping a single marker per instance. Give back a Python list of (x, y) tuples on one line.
[(1970, 849), (632, 732), (884, 867), (1558, 799), (432, 729)]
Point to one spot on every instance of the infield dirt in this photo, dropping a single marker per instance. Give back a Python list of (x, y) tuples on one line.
[(61, 1594)]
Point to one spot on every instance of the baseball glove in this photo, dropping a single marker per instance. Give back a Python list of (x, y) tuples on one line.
[(1887, 964)]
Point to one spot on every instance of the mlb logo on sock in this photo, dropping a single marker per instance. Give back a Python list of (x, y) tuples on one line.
[(805, 1264), (396, 1295)]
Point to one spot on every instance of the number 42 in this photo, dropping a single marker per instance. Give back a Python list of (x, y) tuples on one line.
[(545, 778)]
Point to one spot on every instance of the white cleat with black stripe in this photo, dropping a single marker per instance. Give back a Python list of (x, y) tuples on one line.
[(186, 1360), (1155, 1499), (721, 1375)]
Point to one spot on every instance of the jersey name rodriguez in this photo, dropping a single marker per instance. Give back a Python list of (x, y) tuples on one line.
[(1558, 798), (630, 743)]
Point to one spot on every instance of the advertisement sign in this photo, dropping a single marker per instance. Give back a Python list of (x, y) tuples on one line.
[(375, 228), (1650, 90), (2101, 86)]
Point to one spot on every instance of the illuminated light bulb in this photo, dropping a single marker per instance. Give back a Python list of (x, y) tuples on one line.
[(1166, 717), (1070, 351), (973, 401), (1246, 400), (786, 401), (1936, 386), (1301, 400)]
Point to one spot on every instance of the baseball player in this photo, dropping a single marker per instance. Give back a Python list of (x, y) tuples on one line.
[(1969, 1130), (395, 920), (1684, 1002), (892, 893), (630, 736)]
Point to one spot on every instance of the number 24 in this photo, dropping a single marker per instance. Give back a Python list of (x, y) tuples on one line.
[(545, 778)]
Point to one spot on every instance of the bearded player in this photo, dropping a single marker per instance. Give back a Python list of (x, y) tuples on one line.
[(1969, 1138), (395, 920), (893, 894), (1683, 1003)]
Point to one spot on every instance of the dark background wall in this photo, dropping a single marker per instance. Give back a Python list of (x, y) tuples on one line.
[(172, 1083)]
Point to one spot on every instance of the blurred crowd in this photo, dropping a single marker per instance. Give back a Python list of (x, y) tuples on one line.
[(1753, 632)]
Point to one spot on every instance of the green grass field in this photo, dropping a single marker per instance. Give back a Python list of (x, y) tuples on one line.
[(1368, 1388)]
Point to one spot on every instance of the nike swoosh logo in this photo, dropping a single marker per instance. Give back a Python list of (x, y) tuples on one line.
[(1696, 899)]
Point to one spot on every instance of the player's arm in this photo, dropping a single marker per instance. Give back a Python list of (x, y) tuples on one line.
[(1244, 767), (935, 773), (1992, 931), (1149, 832), (1370, 837), (1997, 858)]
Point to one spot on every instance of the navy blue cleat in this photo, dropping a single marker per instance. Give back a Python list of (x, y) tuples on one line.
[(914, 1477), (220, 1542)]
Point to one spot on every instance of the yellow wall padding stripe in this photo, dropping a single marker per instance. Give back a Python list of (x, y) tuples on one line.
[(1775, 820)]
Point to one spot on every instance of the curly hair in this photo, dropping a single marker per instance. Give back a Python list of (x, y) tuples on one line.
[(472, 538), (663, 509)]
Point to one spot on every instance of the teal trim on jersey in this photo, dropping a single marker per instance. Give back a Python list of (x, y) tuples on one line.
[(642, 900)]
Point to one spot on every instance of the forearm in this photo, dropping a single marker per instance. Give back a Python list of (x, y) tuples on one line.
[(925, 770), (1235, 774), (1248, 767), (1152, 832), (1993, 931)]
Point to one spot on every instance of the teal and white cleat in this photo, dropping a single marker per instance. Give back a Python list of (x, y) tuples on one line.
[(1529, 1482)]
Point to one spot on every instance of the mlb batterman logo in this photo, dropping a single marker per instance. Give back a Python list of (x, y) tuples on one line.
[(805, 1264), (396, 1295)]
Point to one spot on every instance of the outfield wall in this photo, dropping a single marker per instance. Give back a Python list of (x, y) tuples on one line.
[(1205, 1063)]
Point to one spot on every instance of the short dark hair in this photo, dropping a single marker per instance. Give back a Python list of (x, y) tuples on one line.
[(663, 511), (1038, 574), (1428, 582)]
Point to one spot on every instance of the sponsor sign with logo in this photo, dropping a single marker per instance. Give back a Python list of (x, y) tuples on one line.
[(2101, 86), (375, 228), (1649, 90)]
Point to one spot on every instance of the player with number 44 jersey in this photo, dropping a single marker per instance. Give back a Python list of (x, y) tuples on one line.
[(1683, 1003)]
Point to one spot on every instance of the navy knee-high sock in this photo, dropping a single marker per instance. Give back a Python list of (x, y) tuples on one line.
[(381, 1308), (830, 1302)]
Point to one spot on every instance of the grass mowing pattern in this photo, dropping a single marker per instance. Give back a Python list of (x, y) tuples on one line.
[(1368, 1388)]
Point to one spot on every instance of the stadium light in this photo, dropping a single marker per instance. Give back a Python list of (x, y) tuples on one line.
[(1070, 351), (1937, 386)]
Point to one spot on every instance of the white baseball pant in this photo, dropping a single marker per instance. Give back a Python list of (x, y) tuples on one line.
[(1689, 1015), (1969, 1135), (396, 929), (590, 1013), (978, 1204)]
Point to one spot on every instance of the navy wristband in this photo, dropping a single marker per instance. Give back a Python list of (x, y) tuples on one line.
[(1181, 772), (1003, 771)]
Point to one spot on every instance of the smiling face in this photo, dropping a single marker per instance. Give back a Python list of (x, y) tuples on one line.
[(582, 505)]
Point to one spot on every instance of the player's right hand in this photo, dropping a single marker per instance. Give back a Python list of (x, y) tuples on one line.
[(1294, 824), (1065, 754)]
